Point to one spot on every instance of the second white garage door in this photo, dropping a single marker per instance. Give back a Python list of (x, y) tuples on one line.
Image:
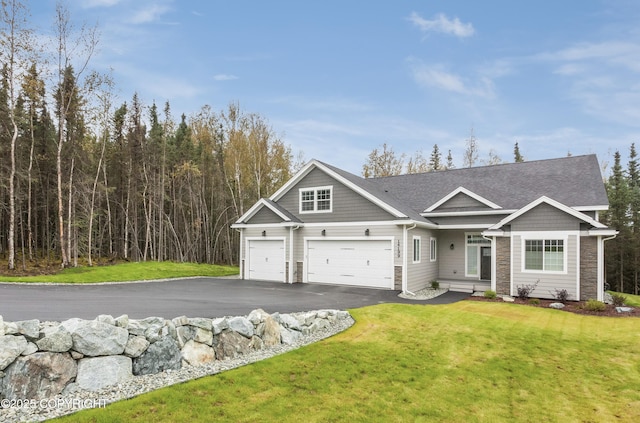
[(266, 260), (367, 263)]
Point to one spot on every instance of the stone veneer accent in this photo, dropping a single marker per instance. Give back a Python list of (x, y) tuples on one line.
[(397, 278), (299, 270), (588, 268), (503, 265)]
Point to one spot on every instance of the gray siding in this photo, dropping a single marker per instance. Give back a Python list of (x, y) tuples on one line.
[(348, 206), (461, 200), (451, 264), (545, 218), (420, 275), (487, 220), (548, 282), (265, 215)]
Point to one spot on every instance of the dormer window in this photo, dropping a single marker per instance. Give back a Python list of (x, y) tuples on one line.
[(316, 200)]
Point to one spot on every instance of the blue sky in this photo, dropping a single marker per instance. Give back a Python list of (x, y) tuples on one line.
[(336, 79)]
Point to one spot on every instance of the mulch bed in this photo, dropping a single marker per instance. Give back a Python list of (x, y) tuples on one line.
[(576, 307)]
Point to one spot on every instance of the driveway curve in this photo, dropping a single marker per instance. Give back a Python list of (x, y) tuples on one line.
[(193, 297)]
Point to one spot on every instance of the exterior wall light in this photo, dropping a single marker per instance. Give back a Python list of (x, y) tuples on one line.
[(366, 232), (451, 247)]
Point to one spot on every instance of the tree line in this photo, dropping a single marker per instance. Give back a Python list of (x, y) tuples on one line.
[(83, 177)]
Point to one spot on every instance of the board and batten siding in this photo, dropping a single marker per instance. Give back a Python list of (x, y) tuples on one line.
[(420, 275), (548, 282), (348, 206)]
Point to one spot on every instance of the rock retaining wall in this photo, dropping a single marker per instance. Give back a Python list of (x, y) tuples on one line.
[(43, 359)]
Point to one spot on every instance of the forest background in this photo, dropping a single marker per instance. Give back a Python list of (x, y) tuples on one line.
[(86, 180)]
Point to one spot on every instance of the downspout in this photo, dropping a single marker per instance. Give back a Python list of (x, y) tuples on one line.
[(601, 270), (405, 258), (291, 229)]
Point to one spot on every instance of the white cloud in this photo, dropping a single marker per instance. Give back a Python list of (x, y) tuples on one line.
[(442, 24), (149, 14), (434, 76), (87, 4), (224, 77)]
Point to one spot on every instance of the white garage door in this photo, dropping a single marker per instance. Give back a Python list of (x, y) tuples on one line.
[(266, 260), (362, 263)]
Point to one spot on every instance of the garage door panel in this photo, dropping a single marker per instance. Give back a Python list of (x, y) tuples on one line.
[(350, 262), (266, 260)]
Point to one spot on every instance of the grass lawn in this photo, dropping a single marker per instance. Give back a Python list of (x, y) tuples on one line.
[(464, 362), (128, 272), (631, 300)]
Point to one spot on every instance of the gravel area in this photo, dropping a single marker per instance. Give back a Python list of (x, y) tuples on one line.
[(423, 294), (40, 410)]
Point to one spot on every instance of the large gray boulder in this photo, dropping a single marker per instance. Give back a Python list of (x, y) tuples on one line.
[(231, 344), (289, 337), (257, 316), (242, 325), (94, 338), (160, 356), (185, 334), (290, 322), (29, 328), (200, 322), (219, 324), (55, 339), (136, 345), (1, 326), (39, 375), (151, 326), (96, 373), (270, 332), (11, 346), (196, 353)]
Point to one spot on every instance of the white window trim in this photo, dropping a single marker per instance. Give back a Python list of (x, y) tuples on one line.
[(433, 249), (545, 236), (315, 199), (419, 239), (466, 255)]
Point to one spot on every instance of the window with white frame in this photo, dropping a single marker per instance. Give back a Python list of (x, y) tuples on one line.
[(545, 255), (472, 253), (416, 249), (433, 249), (316, 200)]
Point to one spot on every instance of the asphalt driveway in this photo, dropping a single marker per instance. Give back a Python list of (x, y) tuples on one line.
[(194, 297)]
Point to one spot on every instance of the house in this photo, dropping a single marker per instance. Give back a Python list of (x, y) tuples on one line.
[(472, 229)]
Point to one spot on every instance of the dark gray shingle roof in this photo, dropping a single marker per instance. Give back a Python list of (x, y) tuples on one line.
[(574, 181)]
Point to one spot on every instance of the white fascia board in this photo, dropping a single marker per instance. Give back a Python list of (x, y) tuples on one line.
[(465, 191), (603, 232), (314, 163), (469, 226), (493, 233), (266, 225), (467, 213), (257, 206), (591, 208), (553, 203)]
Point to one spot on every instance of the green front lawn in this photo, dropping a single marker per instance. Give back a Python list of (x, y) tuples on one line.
[(128, 272), (465, 362), (630, 299)]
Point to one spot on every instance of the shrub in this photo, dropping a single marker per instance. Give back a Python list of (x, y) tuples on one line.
[(534, 301), (618, 299), (435, 284), (490, 294), (595, 305), (524, 291), (561, 295)]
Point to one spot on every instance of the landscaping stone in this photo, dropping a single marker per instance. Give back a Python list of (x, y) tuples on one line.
[(185, 334), (106, 318), (11, 346), (242, 325), (508, 299), (270, 332), (557, 306), (29, 328), (161, 355), (180, 321), (200, 322), (196, 353), (31, 349), (39, 375), (219, 325), (148, 325), (624, 309), (97, 372), (288, 321), (122, 321), (231, 344), (94, 338), (203, 336), (1, 326), (136, 345), (257, 316), (55, 339), (289, 337)]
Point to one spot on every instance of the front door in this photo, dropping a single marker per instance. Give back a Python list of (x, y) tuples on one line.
[(485, 263)]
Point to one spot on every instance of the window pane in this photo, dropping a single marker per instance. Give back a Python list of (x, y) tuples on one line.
[(307, 200), (472, 260), (554, 255), (533, 255), (477, 239), (324, 199), (416, 249), (434, 249)]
